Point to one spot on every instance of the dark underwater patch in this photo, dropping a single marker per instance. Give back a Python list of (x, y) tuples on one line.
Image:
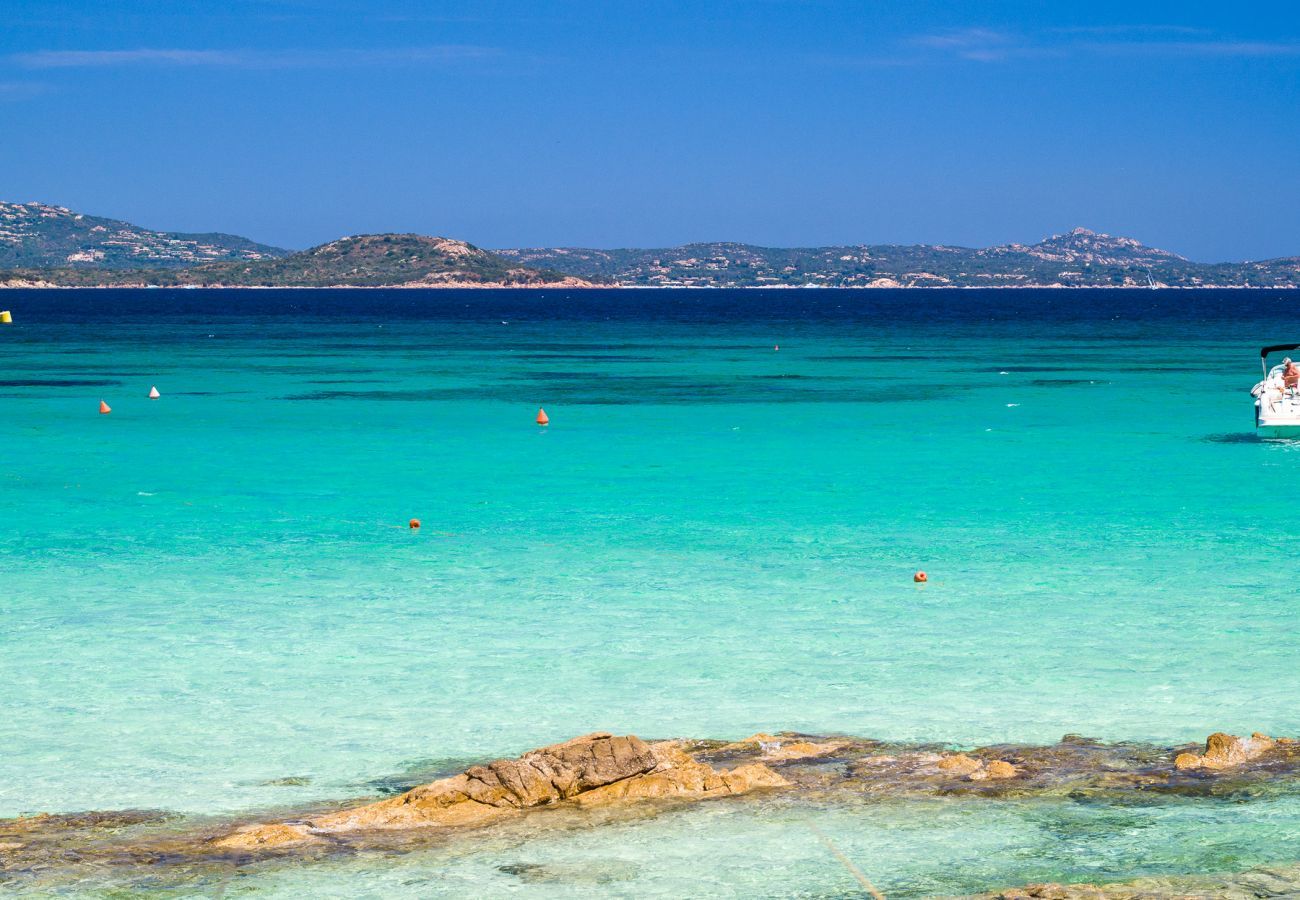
[(583, 389), (362, 395), (1089, 366), (584, 357), (554, 346), (1064, 382), (1234, 437), (57, 382), (65, 365), (873, 357), (794, 377), (418, 772), (304, 370)]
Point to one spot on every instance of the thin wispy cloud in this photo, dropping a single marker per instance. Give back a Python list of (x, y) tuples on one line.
[(991, 46), (21, 90), (1203, 48), (249, 59), (1127, 29), (969, 40), (981, 45), (68, 59)]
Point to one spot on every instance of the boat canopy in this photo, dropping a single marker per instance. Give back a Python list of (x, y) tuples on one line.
[(1275, 348)]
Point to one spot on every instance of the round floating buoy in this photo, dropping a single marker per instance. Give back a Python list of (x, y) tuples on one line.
[(776, 347), (920, 578), (104, 408), (542, 417), (6, 317), (415, 523), (153, 393)]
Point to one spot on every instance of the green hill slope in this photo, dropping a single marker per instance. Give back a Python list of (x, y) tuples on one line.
[(372, 260), (1080, 258), (39, 236)]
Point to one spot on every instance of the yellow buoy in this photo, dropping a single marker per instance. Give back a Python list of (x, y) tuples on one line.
[(6, 317)]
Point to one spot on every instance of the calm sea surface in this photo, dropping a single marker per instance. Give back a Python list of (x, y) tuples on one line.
[(216, 589)]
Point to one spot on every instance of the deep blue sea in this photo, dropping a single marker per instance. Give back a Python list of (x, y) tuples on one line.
[(206, 592)]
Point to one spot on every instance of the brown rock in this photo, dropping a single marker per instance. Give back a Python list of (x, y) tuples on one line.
[(1226, 750), (803, 750), (785, 748), (266, 837), (678, 774), (1223, 751), (959, 764), (591, 770), (1047, 891), (1000, 769)]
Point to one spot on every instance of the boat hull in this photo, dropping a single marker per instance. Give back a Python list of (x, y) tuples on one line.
[(1280, 432), (1275, 426)]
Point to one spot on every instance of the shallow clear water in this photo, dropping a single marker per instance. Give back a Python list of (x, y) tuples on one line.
[(920, 849), (218, 588)]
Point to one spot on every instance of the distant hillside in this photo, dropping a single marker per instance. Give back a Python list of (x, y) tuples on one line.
[(38, 236), (51, 246), (1080, 258), (374, 260)]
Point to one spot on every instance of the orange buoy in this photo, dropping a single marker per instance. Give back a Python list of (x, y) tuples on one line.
[(415, 523), (920, 578), (104, 408), (153, 393), (543, 418)]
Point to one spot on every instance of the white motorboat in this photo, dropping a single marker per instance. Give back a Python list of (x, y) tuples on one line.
[(1277, 403)]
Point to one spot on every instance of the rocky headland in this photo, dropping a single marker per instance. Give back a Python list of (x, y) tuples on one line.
[(601, 778)]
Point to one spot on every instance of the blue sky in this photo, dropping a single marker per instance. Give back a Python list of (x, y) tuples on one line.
[(512, 123)]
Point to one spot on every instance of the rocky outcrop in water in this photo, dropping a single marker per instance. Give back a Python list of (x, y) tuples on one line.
[(593, 770), (600, 778), (1224, 751)]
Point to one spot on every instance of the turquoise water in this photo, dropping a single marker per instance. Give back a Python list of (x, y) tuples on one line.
[(924, 849), (713, 537)]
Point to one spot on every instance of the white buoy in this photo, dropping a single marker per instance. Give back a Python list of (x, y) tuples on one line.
[(153, 393)]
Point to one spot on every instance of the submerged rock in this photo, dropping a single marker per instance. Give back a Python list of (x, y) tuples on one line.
[(1053, 891), (1269, 881), (268, 837), (585, 874), (785, 746), (103, 820)]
